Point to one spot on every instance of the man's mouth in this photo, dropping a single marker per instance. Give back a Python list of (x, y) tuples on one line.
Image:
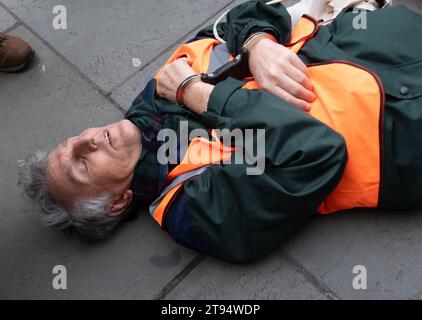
[(108, 138)]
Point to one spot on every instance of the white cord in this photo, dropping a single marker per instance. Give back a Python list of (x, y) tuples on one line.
[(216, 36)]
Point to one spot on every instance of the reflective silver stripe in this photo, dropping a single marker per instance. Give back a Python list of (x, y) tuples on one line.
[(220, 55), (178, 180)]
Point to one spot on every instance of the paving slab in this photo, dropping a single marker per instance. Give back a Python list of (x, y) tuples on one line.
[(125, 94), (388, 244), (103, 36), (6, 20), (39, 108), (271, 279)]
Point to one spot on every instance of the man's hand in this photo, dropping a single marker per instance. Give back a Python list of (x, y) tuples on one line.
[(171, 76), (280, 71)]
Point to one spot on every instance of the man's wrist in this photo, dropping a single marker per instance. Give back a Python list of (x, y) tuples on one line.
[(255, 38), (184, 85), (197, 96)]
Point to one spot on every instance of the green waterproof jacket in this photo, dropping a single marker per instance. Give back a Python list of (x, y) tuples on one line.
[(238, 217)]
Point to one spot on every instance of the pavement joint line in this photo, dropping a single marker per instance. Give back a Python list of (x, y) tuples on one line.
[(106, 95), (12, 28), (169, 48), (179, 277), (310, 277)]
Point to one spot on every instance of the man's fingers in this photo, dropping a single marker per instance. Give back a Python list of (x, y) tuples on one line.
[(295, 61), (295, 89), (289, 98), (298, 76), (298, 72)]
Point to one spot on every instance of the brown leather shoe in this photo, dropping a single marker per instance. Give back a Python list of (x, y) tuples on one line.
[(15, 54)]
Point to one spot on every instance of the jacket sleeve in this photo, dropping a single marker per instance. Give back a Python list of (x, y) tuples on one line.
[(250, 17), (242, 217)]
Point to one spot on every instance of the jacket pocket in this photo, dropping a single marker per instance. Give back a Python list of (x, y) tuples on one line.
[(404, 81)]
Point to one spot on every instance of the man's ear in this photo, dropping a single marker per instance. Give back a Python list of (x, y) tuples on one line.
[(118, 206)]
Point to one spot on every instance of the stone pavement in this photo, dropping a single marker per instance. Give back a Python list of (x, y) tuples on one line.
[(85, 76)]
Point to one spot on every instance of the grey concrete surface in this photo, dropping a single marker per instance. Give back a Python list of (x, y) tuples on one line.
[(387, 244), (125, 94), (104, 35), (84, 77), (40, 109), (271, 279), (6, 20)]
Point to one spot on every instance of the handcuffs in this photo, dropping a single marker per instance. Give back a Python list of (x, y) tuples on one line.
[(238, 69)]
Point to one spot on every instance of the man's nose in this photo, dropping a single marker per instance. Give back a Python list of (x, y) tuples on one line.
[(85, 145)]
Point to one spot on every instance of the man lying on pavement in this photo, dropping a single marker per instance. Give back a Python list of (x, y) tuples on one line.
[(345, 134)]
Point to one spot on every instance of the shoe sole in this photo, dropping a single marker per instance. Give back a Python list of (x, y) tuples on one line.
[(21, 67)]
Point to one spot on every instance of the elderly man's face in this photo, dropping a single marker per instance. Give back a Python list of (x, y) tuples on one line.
[(98, 161)]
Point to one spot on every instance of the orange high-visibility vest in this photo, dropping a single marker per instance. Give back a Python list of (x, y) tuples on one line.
[(350, 100)]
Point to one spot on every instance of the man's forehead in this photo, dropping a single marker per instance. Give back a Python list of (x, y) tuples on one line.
[(64, 185), (53, 162)]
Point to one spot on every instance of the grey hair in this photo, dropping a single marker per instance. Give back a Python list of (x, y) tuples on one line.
[(87, 219)]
